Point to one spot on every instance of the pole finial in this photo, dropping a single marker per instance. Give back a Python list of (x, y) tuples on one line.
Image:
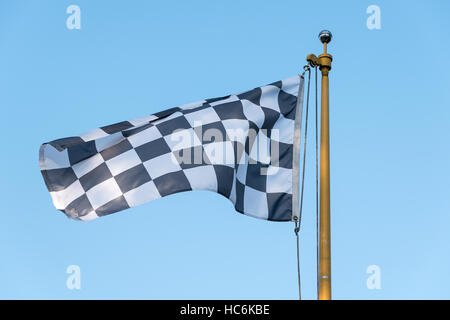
[(325, 36)]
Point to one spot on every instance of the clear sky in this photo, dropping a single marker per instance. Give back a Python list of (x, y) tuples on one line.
[(390, 155)]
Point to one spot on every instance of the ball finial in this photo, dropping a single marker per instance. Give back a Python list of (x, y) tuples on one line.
[(325, 36)]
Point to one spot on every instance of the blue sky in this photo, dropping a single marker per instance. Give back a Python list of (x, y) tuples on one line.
[(390, 158)]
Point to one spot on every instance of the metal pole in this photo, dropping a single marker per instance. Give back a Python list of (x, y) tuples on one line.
[(324, 62)]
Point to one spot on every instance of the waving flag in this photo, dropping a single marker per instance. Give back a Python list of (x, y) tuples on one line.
[(244, 147)]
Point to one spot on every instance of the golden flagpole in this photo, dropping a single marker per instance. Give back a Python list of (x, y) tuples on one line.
[(324, 64)]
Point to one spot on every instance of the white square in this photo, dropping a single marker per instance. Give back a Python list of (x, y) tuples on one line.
[(108, 141), (61, 199), (182, 139), (269, 97), (87, 165), (253, 112), (236, 129), (260, 149), (144, 193), (162, 165), (50, 158), (202, 178), (123, 161), (202, 117), (141, 121), (147, 135), (283, 130), (103, 192), (255, 203), (233, 192), (90, 216), (93, 134), (291, 85), (241, 173), (243, 156), (192, 105), (279, 180)]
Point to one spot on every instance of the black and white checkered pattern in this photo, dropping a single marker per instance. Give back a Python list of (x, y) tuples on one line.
[(128, 163)]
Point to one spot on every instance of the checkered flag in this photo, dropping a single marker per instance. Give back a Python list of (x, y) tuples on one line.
[(244, 147)]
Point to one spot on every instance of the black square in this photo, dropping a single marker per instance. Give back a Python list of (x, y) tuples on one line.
[(58, 179), (96, 176), (132, 178), (280, 206), (115, 205), (211, 132), (116, 127), (240, 188), (79, 207), (251, 137), (172, 183), (169, 126), (287, 103), (136, 130), (254, 178), (191, 157), (283, 158), (230, 110), (152, 149), (238, 149), (270, 117), (225, 178), (81, 151), (277, 84), (116, 150), (165, 113), (61, 144), (252, 96)]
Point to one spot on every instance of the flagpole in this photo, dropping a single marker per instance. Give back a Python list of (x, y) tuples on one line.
[(324, 64), (324, 233)]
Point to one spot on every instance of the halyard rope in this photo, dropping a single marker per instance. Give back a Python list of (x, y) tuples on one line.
[(298, 222), (317, 189)]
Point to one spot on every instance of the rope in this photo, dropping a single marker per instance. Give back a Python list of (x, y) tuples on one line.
[(298, 223), (296, 230), (317, 190)]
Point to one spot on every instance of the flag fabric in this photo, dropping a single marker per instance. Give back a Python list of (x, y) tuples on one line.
[(243, 146)]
